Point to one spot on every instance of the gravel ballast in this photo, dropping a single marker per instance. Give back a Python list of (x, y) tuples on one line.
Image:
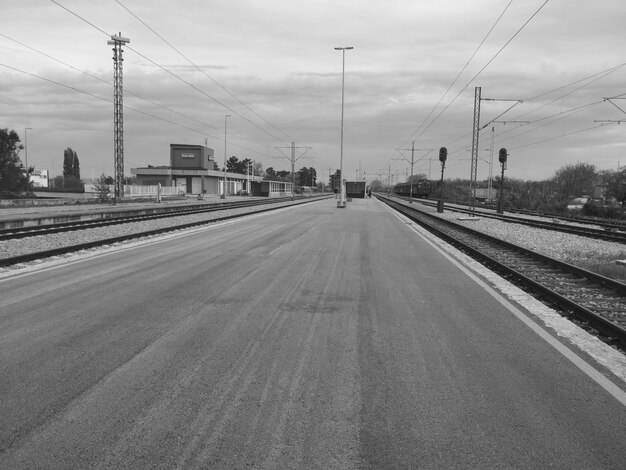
[(25, 246), (555, 244)]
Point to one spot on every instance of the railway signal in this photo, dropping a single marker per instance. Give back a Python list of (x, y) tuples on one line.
[(502, 156), (443, 156)]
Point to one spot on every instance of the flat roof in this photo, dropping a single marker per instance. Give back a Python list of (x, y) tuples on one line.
[(169, 171)]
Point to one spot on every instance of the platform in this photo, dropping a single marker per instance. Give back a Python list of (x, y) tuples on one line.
[(308, 337)]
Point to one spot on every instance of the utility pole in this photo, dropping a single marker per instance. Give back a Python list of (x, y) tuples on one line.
[(293, 160), (493, 144), (118, 115), (490, 186), (474, 166), (26, 129), (475, 135), (223, 196), (412, 162), (430, 165), (248, 172), (388, 170)]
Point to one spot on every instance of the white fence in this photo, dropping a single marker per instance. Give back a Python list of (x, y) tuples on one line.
[(136, 191)]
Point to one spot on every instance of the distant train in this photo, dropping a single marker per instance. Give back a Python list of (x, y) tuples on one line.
[(422, 188)]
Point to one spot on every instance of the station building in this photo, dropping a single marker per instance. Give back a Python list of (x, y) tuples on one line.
[(193, 171)]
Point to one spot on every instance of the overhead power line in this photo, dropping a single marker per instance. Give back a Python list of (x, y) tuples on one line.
[(460, 72), (130, 108), (78, 90), (81, 18), (203, 71), (561, 114), (126, 91), (598, 76), (107, 82), (215, 100), (602, 74), (557, 137), (172, 74), (519, 30)]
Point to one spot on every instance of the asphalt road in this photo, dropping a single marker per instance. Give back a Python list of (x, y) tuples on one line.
[(314, 337)]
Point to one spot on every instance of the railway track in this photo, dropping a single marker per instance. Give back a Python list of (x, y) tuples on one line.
[(202, 217), (103, 221), (597, 301), (609, 234), (606, 224)]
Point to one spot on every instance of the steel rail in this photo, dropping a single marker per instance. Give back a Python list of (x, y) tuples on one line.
[(600, 234)]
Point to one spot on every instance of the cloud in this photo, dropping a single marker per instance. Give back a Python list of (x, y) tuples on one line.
[(277, 59)]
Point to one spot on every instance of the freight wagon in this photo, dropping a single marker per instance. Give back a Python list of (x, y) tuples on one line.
[(355, 189)]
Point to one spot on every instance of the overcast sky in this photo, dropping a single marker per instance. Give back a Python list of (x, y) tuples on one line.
[(271, 65)]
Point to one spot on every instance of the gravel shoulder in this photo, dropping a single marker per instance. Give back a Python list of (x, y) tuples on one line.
[(24, 246)]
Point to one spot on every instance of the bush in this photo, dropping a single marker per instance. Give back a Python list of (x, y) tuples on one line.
[(553, 208), (102, 189), (606, 212), (72, 182)]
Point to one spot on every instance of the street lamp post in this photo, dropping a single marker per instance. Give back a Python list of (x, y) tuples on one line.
[(224, 189), (342, 194), (26, 129), (411, 180)]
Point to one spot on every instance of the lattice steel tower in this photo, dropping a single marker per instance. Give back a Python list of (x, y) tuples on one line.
[(118, 114), (475, 134)]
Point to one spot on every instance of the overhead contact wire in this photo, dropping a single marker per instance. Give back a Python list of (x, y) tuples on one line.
[(170, 72), (202, 71), (460, 72)]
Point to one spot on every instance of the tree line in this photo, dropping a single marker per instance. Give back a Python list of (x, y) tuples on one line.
[(15, 177), (605, 190), (303, 177)]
